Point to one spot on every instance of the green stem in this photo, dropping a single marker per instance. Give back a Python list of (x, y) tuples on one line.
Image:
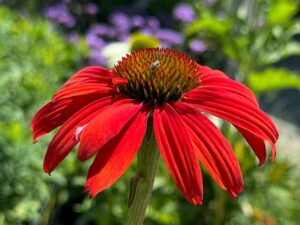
[(220, 212), (142, 184), (252, 9), (49, 212)]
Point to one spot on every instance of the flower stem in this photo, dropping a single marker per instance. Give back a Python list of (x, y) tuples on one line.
[(141, 185), (220, 210)]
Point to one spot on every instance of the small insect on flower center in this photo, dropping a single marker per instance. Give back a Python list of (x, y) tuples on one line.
[(157, 75)]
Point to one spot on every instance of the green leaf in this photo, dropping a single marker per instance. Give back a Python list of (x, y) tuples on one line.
[(273, 79), (282, 11), (291, 48), (210, 25)]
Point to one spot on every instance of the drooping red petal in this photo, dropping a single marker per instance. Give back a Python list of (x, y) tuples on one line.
[(206, 72), (219, 84), (256, 143), (212, 149), (89, 80), (54, 114), (92, 74), (64, 140), (222, 84), (106, 126), (178, 153), (237, 111), (83, 89), (116, 155)]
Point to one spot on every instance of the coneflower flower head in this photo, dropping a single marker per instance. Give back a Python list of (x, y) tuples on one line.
[(157, 75), (106, 113)]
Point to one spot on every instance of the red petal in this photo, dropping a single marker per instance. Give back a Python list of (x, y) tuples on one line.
[(83, 89), (177, 152), (64, 141), (86, 81), (54, 114), (212, 149), (256, 143), (105, 126), (117, 154), (235, 110), (221, 84), (92, 74), (218, 84), (206, 72)]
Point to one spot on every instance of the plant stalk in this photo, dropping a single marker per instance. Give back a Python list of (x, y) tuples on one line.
[(141, 185)]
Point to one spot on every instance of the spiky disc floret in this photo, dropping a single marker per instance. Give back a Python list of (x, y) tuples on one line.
[(157, 75)]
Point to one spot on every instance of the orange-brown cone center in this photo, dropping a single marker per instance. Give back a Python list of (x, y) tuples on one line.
[(156, 75)]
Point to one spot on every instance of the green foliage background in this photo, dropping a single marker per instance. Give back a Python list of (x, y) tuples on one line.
[(35, 60)]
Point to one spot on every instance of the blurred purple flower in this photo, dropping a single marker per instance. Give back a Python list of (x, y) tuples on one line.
[(96, 58), (170, 37), (184, 13), (68, 21), (91, 9), (146, 31), (197, 46), (94, 41), (123, 37), (103, 30), (121, 21), (153, 23), (138, 21), (60, 14), (164, 44)]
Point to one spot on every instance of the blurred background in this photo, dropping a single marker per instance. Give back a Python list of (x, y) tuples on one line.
[(42, 43)]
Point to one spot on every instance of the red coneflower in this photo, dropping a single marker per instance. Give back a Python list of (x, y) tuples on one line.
[(107, 112)]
